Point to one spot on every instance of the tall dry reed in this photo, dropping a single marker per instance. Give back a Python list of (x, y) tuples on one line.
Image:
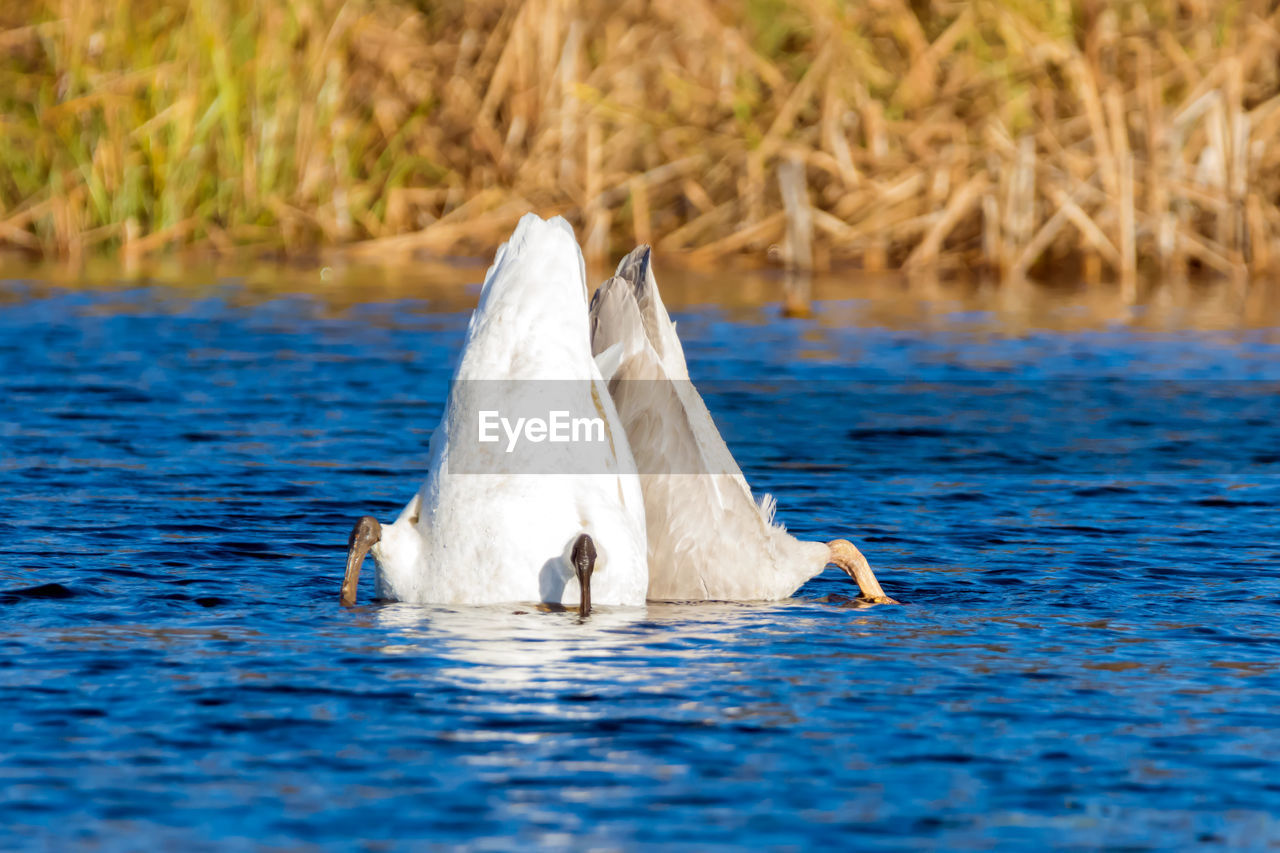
[(1021, 137)]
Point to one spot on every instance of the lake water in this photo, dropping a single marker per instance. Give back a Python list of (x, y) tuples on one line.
[(1078, 511)]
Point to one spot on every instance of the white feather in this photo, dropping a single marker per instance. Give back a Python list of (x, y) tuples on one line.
[(707, 536), (489, 538)]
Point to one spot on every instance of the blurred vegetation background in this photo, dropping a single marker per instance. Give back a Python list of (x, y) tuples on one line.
[(1021, 137)]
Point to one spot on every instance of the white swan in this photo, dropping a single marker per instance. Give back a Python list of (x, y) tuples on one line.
[(708, 539), (482, 532)]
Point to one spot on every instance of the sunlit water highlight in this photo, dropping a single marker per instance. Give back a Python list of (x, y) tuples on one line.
[(1082, 525)]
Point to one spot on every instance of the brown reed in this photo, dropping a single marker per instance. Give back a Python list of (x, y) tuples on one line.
[(1103, 139)]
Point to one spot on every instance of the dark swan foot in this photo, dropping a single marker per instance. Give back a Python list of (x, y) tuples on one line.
[(583, 557), (364, 536)]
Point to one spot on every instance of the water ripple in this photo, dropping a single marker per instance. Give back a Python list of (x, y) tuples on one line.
[(1083, 534)]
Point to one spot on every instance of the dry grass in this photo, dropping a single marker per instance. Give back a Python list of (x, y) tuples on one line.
[(1098, 138)]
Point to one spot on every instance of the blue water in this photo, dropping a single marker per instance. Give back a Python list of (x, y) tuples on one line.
[(1082, 526)]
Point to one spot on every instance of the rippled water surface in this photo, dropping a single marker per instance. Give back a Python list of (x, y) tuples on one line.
[(1082, 524)]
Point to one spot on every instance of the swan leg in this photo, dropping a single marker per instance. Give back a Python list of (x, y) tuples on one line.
[(850, 559), (583, 558), (364, 536)]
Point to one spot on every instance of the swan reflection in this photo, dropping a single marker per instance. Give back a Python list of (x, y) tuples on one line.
[(523, 647)]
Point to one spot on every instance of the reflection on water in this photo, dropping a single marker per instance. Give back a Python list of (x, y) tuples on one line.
[(890, 300), (1077, 505), (513, 647)]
